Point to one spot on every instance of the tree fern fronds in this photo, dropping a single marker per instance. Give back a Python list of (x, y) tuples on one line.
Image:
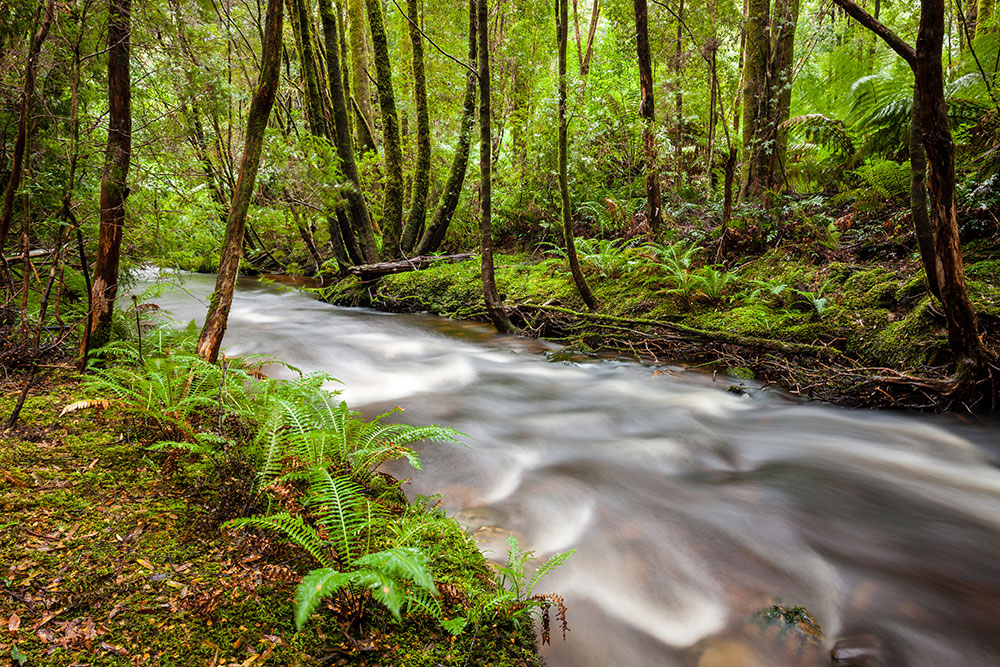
[(824, 130), (294, 528), (315, 586)]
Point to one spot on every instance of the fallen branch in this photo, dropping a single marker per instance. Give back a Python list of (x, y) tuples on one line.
[(371, 271)]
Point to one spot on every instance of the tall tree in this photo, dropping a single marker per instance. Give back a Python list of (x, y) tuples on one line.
[(422, 170), (756, 53), (359, 73), (438, 226), (562, 34), (114, 188), (654, 215), (27, 94), (360, 220), (494, 306), (971, 358), (392, 203), (210, 341)]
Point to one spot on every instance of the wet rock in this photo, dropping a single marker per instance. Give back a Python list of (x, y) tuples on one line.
[(860, 651)]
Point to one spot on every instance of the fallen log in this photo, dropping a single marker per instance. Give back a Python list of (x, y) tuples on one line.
[(378, 269), (32, 254)]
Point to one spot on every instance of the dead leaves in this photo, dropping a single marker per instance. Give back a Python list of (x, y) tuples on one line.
[(14, 622)]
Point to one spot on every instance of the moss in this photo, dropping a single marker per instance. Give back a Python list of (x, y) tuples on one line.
[(870, 288), (123, 564)]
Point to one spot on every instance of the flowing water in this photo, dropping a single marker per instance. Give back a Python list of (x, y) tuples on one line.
[(690, 507)]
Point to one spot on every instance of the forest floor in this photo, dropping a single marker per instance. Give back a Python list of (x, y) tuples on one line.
[(111, 554), (855, 327)]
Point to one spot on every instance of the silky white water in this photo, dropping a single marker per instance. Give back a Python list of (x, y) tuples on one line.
[(690, 508)]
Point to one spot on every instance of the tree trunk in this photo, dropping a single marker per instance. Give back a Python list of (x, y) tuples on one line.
[(392, 208), (963, 334), (562, 35), (360, 221), (494, 306), (984, 18), (114, 190), (299, 18), (594, 16), (647, 113), (27, 93), (435, 231), (756, 156), (422, 172), (359, 72), (786, 18), (918, 198), (260, 110), (679, 100)]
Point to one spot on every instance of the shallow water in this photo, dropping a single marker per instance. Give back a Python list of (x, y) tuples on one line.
[(690, 508)]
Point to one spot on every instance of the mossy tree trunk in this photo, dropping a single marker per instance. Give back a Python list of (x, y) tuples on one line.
[(392, 207), (756, 53), (562, 35), (781, 76), (43, 23), (494, 306), (918, 198), (422, 171), (973, 363), (438, 226), (654, 215), (217, 318), (114, 190), (360, 220), (985, 23), (359, 72), (299, 18)]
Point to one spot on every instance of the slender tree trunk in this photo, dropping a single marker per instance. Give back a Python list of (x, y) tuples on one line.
[(594, 16), (918, 198), (963, 330), (260, 110), (679, 100), (421, 175), (576, 30), (494, 306), (360, 221), (27, 93), (392, 209), (114, 190), (562, 35), (647, 112), (438, 226), (984, 18)]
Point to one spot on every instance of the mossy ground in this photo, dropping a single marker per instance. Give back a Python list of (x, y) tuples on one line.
[(866, 314), (113, 555)]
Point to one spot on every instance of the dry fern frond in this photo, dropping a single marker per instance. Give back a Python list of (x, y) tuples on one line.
[(85, 405)]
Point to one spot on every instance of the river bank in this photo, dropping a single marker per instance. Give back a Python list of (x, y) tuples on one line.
[(115, 554), (862, 334)]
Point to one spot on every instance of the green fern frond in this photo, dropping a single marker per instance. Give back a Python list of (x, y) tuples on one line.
[(338, 503), (315, 586), (406, 563), (294, 528), (546, 568), (824, 130)]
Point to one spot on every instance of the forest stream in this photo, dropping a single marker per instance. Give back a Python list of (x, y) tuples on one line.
[(690, 507)]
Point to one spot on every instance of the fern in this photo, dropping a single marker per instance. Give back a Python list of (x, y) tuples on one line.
[(294, 528), (340, 508)]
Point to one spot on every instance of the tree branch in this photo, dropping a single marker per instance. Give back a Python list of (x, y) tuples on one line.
[(905, 51)]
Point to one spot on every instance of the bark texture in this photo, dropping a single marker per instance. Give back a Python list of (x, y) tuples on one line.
[(654, 215), (210, 341), (114, 189)]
